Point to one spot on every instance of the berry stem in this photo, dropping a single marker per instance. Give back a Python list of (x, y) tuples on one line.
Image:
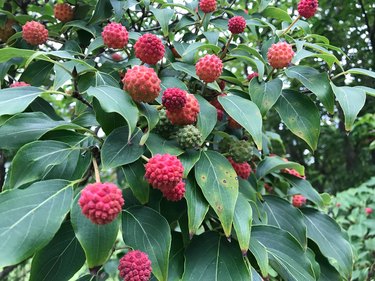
[(127, 52), (145, 158), (291, 25), (270, 75), (226, 46), (201, 22), (96, 170)]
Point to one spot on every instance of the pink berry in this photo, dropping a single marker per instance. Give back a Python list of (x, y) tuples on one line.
[(237, 25), (298, 201), (280, 55), (187, 115), (207, 6), (209, 68), (115, 35), (19, 84), (135, 266), (174, 99), (308, 8), (149, 49), (34, 33)]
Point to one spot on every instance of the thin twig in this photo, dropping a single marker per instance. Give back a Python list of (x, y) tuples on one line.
[(96, 170)]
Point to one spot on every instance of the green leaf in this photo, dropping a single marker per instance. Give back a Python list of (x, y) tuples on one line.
[(246, 113), (275, 163), (15, 100), (135, 177), (188, 160), (116, 100), (260, 254), (26, 224), (118, 149), (163, 16), (276, 13), (8, 53), (207, 117), (27, 127), (196, 204), (158, 145), (172, 82), (316, 82), (300, 115), (286, 255), (301, 186), (242, 221), (40, 160), (37, 73), (219, 184), (103, 10), (361, 72), (96, 240), (60, 259), (265, 94), (351, 101), (145, 229), (152, 116), (176, 259), (325, 232), (221, 261), (282, 214)]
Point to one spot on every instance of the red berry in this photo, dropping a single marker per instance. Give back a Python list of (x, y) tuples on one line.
[(187, 115), (222, 84), (7, 31), (280, 55), (63, 12), (175, 53), (268, 187), (164, 171), (34, 33), (149, 49), (115, 35), (142, 83), (19, 84), (293, 172), (209, 68), (207, 6), (252, 75), (308, 8), (176, 193), (368, 211), (220, 114), (101, 202), (174, 99), (243, 169), (116, 57), (298, 201), (237, 25), (216, 103), (233, 123), (135, 266)]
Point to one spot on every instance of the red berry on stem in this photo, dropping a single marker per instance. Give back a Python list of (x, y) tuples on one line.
[(187, 115), (115, 35), (149, 49), (243, 170), (280, 55), (174, 99), (19, 84), (207, 6), (308, 8), (237, 25), (135, 266), (209, 68), (298, 200), (34, 33), (63, 12)]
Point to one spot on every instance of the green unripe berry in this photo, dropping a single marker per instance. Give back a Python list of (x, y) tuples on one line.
[(241, 151), (164, 127), (189, 137)]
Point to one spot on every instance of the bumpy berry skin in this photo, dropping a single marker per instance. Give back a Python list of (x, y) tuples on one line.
[(164, 171), (298, 200), (233, 123), (308, 8), (7, 31), (368, 211), (187, 115), (241, 151), (293, 172), (280, 55), (174, 99), (164, 127), (135, 266), (34, 33), (252, 75), (142, 83), (243, 169), (207, 6), (189, 137), (237, 25), (101, 202), (149, 48), (19, 84), (115, 35), (63, 12), (209, 68), (176, 193)]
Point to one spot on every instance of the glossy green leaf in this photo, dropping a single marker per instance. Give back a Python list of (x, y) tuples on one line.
[(242, 221), (351, 101), (115, 100), (361, 71), (145, 229), (196, 204), (135, 177), (300, 115), (277, 13), (163, 16), (301, 186), (152, 116), (96, 240), (29, 126), (15, 100), (326, 233), (219, 184), (221, 261), (188, 160), (246, 113), (158, 145), (282, 214), (118, 149), (265, 94), (286, 255), (206, 118), (26, 224), (172, 82), (60, 259), (260, 254), (275, 163)]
